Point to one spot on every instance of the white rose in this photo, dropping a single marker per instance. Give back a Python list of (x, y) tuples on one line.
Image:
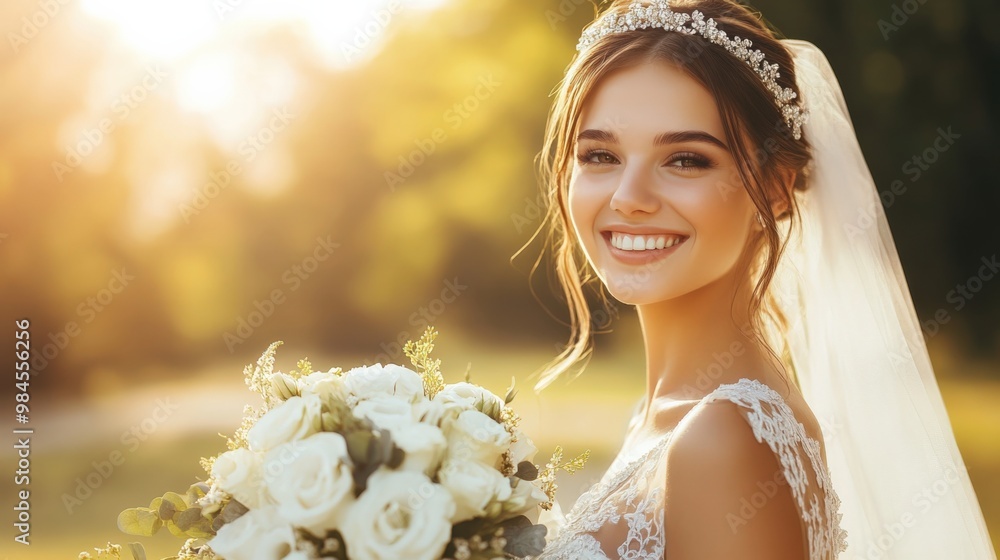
[(474, 436), (424, 446), (468, 395), (435, 413), (401, 514), (386, 412), (238, 472), (315, 485), (293, 419), (324, 384), (523, 449), (259, 533), (473, 485), (366, 382), (283, 386)]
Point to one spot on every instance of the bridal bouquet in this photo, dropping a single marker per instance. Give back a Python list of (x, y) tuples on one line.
[(375, 463)]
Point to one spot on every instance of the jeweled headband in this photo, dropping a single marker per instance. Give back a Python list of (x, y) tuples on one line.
[(657, 14)]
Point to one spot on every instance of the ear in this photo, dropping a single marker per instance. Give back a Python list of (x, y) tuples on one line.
[(786, 188)]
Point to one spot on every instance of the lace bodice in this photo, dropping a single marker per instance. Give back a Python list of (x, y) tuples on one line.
[(630, 495)]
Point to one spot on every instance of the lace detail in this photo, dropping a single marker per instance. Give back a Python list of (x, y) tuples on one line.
[(772, 420), (626, 505)]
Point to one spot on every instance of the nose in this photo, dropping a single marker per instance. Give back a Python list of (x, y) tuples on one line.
[(635, 193)]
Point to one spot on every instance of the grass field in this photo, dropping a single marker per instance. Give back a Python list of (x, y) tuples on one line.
[(178, 422)]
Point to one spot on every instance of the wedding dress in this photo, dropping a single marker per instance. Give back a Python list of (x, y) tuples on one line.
[(629, 498)]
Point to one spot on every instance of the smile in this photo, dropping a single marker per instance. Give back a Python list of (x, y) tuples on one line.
[(627, 242), (639, 249)]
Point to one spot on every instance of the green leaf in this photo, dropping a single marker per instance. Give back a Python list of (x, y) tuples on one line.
[(526, 470), (177, 500), (523, 537), (194, 524), (195, 492), (139, 521), (173, 528), (138, 552), (232, 511), (166, 510)]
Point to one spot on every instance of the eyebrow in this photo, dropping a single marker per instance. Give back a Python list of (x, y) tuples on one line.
[(660, 140)]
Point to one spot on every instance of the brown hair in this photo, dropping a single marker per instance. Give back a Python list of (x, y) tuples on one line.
[(762, 145)]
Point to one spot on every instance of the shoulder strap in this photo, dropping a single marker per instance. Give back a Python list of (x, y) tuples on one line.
[(773, 422)]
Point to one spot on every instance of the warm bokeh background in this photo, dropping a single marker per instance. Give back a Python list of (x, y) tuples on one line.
[(184, 181)]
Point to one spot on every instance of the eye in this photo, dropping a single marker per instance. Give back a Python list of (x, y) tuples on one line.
[(597, 157), (689, 161)]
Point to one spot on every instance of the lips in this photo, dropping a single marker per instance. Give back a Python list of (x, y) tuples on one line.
[(635, 248)]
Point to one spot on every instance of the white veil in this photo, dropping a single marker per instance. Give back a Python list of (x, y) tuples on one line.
[(860, 357)]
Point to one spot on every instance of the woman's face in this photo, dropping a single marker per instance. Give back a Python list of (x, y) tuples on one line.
[(655, 197)]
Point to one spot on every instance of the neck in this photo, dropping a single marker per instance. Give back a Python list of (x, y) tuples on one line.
[(696, 342)]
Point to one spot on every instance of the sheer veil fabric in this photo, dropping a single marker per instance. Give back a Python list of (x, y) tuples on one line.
[(859, 353)]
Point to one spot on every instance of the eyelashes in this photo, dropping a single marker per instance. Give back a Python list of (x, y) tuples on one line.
[(685, 161)]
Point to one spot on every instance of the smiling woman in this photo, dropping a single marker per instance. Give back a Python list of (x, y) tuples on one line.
[(706, 169)]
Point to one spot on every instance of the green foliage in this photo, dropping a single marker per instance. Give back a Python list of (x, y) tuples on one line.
[(180, 514)]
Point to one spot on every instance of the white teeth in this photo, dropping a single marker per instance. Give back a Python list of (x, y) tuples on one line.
[(628, 242)]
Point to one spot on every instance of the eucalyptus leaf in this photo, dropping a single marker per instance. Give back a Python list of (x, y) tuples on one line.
[(139, 521), (195, 492), (188, 518), (526, 470), (194, 524), (177, 500), (138, 552), (166, 509), (523, 538), (173, 528), (232, 511)]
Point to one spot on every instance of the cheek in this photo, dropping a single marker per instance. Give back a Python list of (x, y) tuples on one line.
[(721, 221)]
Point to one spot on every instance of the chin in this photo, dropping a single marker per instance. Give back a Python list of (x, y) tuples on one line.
[(640, 287)]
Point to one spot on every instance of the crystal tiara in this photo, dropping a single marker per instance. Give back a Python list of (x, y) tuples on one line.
[(657, 14)]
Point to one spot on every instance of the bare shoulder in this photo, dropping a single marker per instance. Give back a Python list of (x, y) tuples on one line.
[(726, 495)]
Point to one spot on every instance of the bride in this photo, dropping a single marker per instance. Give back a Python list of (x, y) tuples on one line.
[(709, 174)]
